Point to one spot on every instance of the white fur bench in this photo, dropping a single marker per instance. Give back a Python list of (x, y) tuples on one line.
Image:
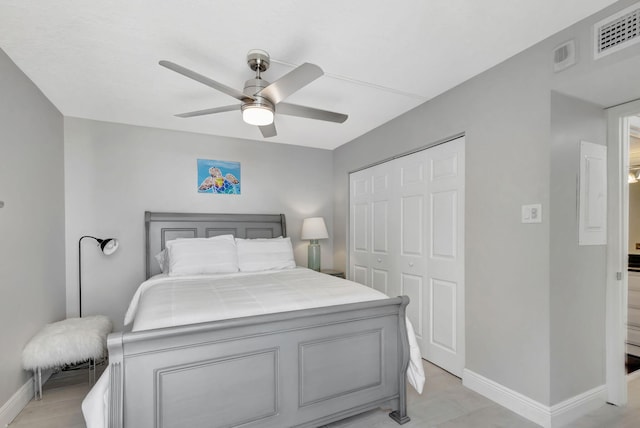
[(70, 341)]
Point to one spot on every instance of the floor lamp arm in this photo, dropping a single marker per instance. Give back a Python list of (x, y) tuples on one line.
[(80, 272)]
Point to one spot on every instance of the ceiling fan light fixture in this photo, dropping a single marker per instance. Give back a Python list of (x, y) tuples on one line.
[(257, 115)]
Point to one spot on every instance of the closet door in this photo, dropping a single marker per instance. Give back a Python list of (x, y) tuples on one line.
[(359, 226), (411, 231), (444, 292), (369, 227), (407, 238)]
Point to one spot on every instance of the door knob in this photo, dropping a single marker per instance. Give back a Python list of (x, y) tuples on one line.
[(410, 264), (379, 260)]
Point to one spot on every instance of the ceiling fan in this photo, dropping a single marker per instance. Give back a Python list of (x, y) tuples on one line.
[(260, 100)]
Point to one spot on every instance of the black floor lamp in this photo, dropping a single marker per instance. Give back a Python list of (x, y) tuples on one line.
[(107, 246)]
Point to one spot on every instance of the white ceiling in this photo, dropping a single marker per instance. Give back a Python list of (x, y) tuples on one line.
[(99, 59)]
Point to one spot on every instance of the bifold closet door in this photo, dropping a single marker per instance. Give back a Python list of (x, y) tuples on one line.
[(444, 322), (407, 238), (369, 232)]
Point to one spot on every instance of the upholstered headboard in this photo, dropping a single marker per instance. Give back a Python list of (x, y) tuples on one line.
[(162, 227)]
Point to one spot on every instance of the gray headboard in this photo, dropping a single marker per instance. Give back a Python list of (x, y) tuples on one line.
[(162, 227)]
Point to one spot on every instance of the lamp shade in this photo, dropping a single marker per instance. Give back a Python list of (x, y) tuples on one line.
[(108, 246), (314, 228)]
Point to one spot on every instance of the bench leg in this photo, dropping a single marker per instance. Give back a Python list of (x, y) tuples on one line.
[(92, 371), (37, 384)]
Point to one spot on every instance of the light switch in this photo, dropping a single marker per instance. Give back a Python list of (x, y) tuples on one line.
[(532, 213)]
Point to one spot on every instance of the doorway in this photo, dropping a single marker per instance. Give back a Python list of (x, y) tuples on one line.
[(633, 268), (619, 125)]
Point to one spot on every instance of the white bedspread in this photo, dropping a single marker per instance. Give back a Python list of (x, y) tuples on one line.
[(164, 301)]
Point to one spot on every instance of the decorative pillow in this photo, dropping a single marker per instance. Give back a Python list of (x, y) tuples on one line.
[(201, 256), (264, 254), (163, 261)]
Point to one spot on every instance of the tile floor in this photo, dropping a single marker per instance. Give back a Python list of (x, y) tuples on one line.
[(445, 403)]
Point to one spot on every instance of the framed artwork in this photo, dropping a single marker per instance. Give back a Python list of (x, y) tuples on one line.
[(215, 176)]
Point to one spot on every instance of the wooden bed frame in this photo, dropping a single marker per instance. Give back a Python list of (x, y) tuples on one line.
[(301, 368)]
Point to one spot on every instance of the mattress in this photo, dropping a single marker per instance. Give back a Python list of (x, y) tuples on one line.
[(164, 301)]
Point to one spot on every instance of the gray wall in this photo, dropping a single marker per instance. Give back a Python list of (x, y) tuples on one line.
[(114, 172), (516, 331), (505, 116), (578, 273), (32, 282)]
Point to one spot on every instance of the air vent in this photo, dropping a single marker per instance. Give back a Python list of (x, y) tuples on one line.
[(617, 31), (564, 56)]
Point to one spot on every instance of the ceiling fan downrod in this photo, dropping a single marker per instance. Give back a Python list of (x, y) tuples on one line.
[(258, 61)]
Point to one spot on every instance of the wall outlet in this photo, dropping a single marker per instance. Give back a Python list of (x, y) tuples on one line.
[(532, 213)]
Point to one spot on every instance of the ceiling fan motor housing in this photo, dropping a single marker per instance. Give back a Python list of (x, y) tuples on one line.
[(251, 87)]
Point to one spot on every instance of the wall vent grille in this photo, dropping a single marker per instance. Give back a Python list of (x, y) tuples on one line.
[(618, 31), (564, 56)]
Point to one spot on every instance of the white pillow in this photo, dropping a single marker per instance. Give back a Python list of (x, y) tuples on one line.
[(198, 256), (264, 254)]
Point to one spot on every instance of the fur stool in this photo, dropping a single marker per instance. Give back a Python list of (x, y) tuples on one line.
[(70, 341)]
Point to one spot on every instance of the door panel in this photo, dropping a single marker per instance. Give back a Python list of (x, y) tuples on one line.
[(379, 257), (411, 223), (380, 280), (359, 274), (444, 165), (443, 224), (412, 286), (380, 227), (361, 227), (445, 325), (443, 314), (412, 171), (410, 260), (359, 230)]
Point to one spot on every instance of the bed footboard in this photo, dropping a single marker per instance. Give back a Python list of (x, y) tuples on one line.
[(301, 368)]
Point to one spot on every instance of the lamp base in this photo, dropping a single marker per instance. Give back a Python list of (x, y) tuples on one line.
[(313, 260)]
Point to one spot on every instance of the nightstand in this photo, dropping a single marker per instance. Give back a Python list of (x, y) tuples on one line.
[(332, 272)]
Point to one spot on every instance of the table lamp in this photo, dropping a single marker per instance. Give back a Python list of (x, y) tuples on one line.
[(314, 229)]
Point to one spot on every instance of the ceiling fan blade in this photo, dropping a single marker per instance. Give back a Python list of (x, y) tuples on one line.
[(296, 79), (268, 130), (205, 80), (209, 111), (310, 113)]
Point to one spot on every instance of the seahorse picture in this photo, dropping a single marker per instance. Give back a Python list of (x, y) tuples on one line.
[(221, 177)]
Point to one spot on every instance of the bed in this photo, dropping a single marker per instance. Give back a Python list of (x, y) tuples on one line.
[(319, 358)]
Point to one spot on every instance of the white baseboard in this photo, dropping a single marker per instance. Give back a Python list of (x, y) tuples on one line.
[(512, 400), (546, 416), (578, 406), (16, 403), (19, 400)]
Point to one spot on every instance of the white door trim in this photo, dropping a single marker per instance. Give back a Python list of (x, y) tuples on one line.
[(617, 250)]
